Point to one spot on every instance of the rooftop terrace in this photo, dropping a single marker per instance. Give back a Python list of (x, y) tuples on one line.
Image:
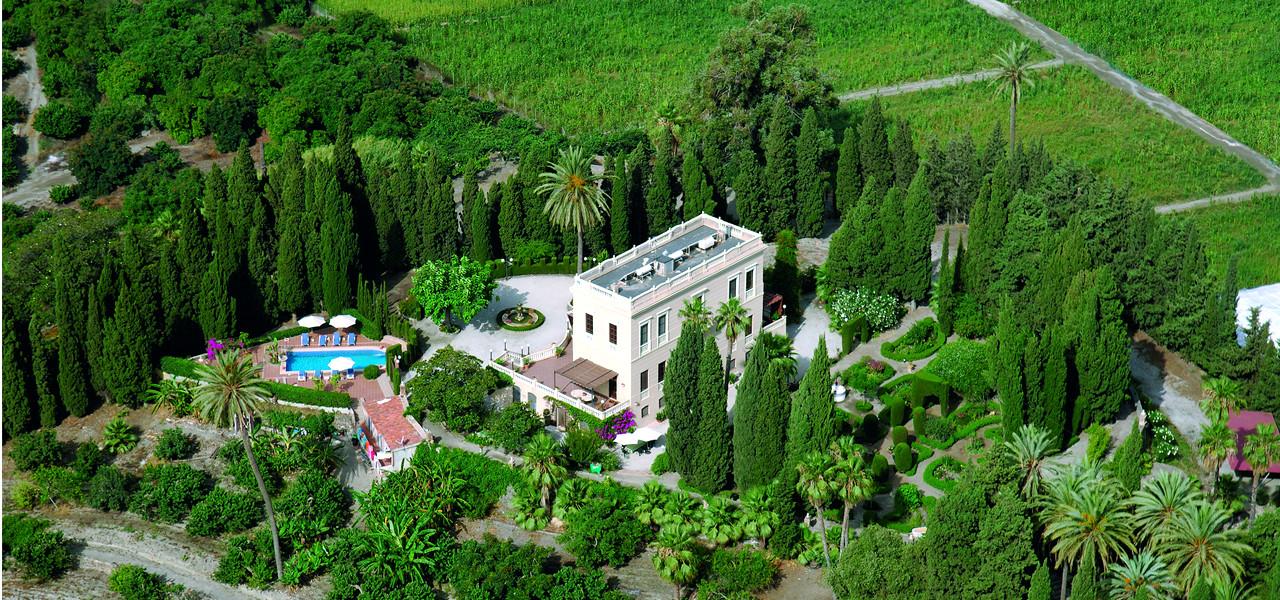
[(669, 256)]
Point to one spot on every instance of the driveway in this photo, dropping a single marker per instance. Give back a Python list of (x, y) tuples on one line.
[(483, 337)]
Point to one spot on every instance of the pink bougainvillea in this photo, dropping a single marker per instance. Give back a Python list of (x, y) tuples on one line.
[(616, 426), (212, 347)]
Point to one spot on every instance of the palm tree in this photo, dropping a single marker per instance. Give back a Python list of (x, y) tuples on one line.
[(574, 196), (781, 352), (543, 468), (1217, 442), (1090, 525), (695, 313), (1030, 446), (650, 503), (1160, 500), (816, 487), (720, 523), (174, 393), (852, 480), (733, 320), (1196, 546), (1144, 572), (1261, 448), (674, 559), (1013, 68), (230, 394), (1222, 397), (759, 519)]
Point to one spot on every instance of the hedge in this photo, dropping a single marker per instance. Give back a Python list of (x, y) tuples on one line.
[(567, 265), (184, 367), (857, 330), (537, 322), (903, 458), (930, 478), (890, 350), (276, 335), (960, 434), (927, 385)]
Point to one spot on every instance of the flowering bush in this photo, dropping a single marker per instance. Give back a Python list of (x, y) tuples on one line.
[(212, 347), (617, 425), (1164, 442), (882, 311)]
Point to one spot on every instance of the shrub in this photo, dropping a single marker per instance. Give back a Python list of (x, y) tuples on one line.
[(863, 405), (899, 434), (14, 110), (939, 429), (62, 194), (926, 385), (944, 473), (908, 497), (317, 425), (27, 496), (42, 553), (168, 491), (737, 572), (661, 464), (225, 512), (605, 531), (249, 561), (608, 460), (36, 449), (918, 420), (1099, 442), (59, 484), (969, 321), (869, 429), (60, 119), (118, 436), (963, 365), (903, 457), (12, 66), (135, 583), (88, 458), (581, 445), (881, 311), (293, 16), (238, 467), (314, 505), (486, 480), (923, 339), (879, 467), (452, 386), (787, 541), (109, 490), (897, 412), (175, 445), (372, 372), (512, 427)]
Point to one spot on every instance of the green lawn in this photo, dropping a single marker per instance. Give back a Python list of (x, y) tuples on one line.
[(1078, 116), (1219, 59), (1250, 230), (587, 65)]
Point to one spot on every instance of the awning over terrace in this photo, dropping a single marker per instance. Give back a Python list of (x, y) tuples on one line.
[(586, 374)]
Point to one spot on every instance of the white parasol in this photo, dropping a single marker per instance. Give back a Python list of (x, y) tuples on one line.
[(342, 321), (311, 321), (626, 439), (644, 434), (341, 363)]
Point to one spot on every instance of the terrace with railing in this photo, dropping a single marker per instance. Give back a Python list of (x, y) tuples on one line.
[(552, 372)]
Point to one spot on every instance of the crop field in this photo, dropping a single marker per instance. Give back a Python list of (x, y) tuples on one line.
[(586, 65), (1247, 230), (1082, 118), (1221, 59)]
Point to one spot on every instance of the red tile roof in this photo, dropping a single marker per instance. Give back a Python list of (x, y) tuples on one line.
[(1243, 424), (389, 423)]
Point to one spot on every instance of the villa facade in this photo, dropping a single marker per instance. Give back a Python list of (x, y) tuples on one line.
[(625, 321)]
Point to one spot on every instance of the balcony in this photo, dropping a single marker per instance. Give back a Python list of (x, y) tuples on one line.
[(579, 384)]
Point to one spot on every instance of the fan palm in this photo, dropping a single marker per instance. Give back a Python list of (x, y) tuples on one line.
[(733, 320), (681, 509), (675, 560), (231, 393), (650, 503), (1160, 500), (1030, 446), (1143, 572), (1013, 67), (1217, 442), (720, 523), (1221, 397), (1196, 546), (543, 467), (694, 313), (1261, 448), (759, 519), (852, 480), (780, 351), (575, 199), (174, 393), (572, 495), (815, 486), (1091, 525)]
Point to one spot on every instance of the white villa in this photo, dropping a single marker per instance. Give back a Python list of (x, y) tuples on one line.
[(625, 321)]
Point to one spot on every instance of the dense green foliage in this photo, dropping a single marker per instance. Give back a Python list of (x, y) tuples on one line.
[(42, 553), (167, 492), (759, 420), (451, 388), (136, 583), (1240, 231)]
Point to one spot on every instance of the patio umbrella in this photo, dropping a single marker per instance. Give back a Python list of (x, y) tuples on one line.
[(311, 321), (342, 321), (625, 439), (644, 434), (341, 363)]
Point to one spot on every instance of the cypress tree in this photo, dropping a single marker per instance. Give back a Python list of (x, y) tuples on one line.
[(101, 297), (596, 239), (1006, 365), (848, 173), (222, 220), (873, 148), (748, 191), (759, 421), (18, 406), (1033, 364), (779, 171), (944, 300), (510, 218), (69, 306), (784, 276), (856, 257), (994, 151), (262, 262), (812, 424), (217, 307), (895, 246), (339, 244), (404, 193), (440, 218), (351, 181), (638, 171), (172, 296), (811, 192), (1101, 342), (906, 161), (481, 236), (680, 396), (1055, 387), (712, 459), (698, 195), (919, 227), (131, 333), (619, 210), (533, 162), (1084, 586), (470, 197), (1019, 258), (293, 287), (44, 377), (660, 198), (383, 189), (1040, 586), (243, 189), (193, 249)]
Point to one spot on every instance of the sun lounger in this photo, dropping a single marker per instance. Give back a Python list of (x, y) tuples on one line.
[(337, 339), (351, 373), (304, 339), (302, 376), (324, 341), (351, 339)]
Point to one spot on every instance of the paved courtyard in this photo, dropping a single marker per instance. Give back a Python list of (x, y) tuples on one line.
[(482, 336)]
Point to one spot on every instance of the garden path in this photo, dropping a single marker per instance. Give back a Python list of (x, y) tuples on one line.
[(941, 82), (872, 347), (1231, 198)]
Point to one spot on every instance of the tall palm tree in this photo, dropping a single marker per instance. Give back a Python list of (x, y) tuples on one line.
[(1030, 446), (675, 560), (1013, 67), (852, 480), (1196, 546), (1142, 572), (230, 394), (1222, 397), (732, 319), (1160, 500), (815, 486), (543, 467), (1091, 525), (759, 519), (1217, 442), (574, 196), (695, 313), (1261, 448)]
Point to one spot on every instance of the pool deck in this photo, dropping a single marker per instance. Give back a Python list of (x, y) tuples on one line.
[(358, 388)]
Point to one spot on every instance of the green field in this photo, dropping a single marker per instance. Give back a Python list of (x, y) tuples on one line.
[(1247, 230), (1078, 116), (1221, 60), (586, 65)]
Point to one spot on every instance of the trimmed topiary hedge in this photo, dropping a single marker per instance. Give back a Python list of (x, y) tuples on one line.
[(927, 385), (947, 463), (903, 458), (923, 339)]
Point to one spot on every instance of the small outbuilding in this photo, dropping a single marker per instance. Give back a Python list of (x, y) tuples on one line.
[(1245, 423)]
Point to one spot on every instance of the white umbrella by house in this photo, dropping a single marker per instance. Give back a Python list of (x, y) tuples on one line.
[(644, 434), (626, 439), (342, 321), (311, 321), (341, 363)]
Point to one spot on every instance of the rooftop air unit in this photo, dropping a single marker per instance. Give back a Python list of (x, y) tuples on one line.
[(707, 243), (666, 265), (644, 270)]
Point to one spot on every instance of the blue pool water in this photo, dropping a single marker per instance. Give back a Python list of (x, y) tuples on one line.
[(318, 360)]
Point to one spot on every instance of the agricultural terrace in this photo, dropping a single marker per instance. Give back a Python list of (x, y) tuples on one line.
[(1221, 60), (609, 65), (1246, 230), (1077, 116)]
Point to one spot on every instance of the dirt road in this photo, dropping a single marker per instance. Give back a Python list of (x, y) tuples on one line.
[(930, 84)]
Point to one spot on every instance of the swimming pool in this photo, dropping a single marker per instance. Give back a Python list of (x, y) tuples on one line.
[(318, 360)]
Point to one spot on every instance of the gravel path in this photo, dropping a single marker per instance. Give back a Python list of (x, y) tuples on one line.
[(930, 84), (1072, 53), (1232, 198)]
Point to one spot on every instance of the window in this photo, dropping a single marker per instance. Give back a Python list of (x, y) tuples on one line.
[(662, 328), (733, 286), (662, 372), (644, 338), (591, 324), (644, 383), (751, 280), (613, 334), (644, 412), (750, 321)]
